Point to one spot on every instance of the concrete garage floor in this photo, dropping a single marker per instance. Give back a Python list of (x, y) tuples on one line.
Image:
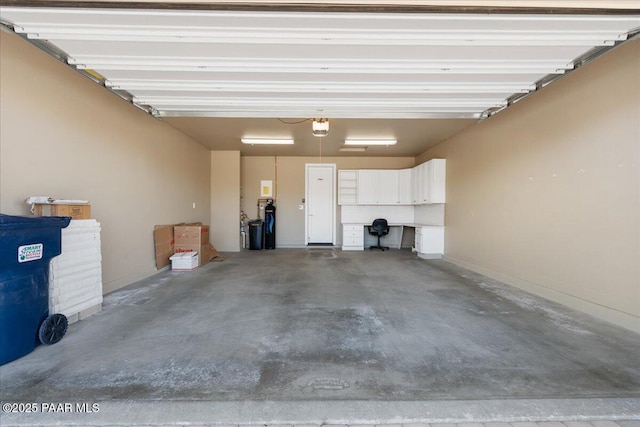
[(322, 335)]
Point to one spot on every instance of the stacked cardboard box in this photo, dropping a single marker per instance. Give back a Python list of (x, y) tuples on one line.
[(163, 237), (75, 276), (75, 211), (193, 238), (181, 238)]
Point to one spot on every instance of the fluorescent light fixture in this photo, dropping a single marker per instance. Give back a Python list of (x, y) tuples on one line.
[(351, 141), (353, 149), (267, 141)]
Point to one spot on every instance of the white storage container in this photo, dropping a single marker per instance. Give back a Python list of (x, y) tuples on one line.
[(184, 261), (75, 276)]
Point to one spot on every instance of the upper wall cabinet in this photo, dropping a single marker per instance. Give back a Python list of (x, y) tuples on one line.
[(388, 187), (384, 187), (436, 177), (421, 185), (347, 187), (429, 182), (369, 190), (405, 187)]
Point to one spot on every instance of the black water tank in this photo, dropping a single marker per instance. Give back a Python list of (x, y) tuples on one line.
[(270, 226)]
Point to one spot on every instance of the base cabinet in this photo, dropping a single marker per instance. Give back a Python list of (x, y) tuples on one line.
[(429, 242), (352, 237)]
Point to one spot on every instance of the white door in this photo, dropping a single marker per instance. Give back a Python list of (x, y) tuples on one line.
[(321, 212)]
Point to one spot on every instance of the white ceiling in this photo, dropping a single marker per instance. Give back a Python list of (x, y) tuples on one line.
[(222, 75)]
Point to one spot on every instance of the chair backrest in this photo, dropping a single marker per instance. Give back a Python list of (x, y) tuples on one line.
[(381, 226)]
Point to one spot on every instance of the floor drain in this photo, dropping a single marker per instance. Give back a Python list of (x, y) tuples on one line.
[(328, 384)]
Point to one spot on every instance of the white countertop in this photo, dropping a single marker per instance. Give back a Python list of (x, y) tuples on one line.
[(391, 224)]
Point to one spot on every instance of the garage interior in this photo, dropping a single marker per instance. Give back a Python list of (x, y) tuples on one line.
[(533, 312)]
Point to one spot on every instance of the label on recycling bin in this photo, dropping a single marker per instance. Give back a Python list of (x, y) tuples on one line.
[(31, 252)]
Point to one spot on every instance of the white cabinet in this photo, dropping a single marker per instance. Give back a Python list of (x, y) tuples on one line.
[(418, 240), (352, 237), (424, 184), (405, 187), (347, 187), (429, 242), (387, 187), (418, 184), (368, 187), (436, 173), (377, 187), (429, 182), (426, 181)]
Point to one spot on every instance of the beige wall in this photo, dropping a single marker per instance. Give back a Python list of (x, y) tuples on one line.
[(225, 200), (64, 136), (289, 188), (545, 195)]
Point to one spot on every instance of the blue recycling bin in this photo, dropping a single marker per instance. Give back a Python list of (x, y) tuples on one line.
[(27, 244)]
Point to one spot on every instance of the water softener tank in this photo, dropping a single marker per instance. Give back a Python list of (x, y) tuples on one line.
[(270, 226)]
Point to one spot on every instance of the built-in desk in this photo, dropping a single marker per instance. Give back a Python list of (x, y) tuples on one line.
[(428, 241)]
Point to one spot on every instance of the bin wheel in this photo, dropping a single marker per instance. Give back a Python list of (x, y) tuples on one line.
[(53, 329)]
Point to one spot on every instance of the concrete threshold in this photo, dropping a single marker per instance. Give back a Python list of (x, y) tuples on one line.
[(166, 413)]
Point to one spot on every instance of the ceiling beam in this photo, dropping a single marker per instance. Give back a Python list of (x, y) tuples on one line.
[(620, 7)]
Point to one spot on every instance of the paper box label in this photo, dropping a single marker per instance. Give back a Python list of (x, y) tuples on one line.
[(31, 252), (179, 250)]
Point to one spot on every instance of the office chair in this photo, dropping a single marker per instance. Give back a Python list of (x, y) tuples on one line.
[(379, 228)]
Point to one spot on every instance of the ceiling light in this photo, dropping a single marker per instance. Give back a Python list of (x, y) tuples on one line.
[(370, 141), (266, 141), (320, 127), (352, 149)]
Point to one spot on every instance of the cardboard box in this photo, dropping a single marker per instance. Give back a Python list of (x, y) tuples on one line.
[(191, 234), (184, 261), (206, 252), (163, 238), (166, 243), (75, 211)]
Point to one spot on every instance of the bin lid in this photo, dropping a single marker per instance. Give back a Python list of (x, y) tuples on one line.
[(12, 222), (181, 256)]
